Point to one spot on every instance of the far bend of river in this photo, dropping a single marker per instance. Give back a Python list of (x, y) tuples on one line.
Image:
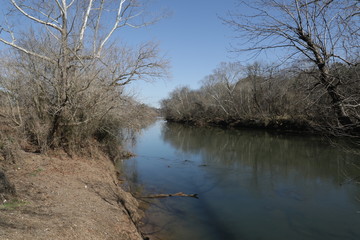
[(252, 184)]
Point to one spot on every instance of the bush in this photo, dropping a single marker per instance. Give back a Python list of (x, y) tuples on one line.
[(262, 96)]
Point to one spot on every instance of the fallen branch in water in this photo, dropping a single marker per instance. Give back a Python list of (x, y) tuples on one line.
[(179, 194)]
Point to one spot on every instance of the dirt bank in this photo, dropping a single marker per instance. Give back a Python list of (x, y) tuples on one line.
[(58, 197)]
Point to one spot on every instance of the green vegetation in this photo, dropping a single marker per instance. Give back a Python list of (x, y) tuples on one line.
[(36, 172), (13, 204)]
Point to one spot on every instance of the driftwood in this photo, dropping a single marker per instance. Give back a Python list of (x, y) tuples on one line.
[(179, 194)]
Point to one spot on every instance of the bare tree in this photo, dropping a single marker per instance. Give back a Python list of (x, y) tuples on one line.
[(74, 74), (220, 86), (324, 32)]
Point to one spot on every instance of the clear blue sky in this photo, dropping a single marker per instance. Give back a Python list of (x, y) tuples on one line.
[(193, 38)]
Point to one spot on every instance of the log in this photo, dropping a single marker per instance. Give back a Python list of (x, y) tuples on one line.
[(179, 194)]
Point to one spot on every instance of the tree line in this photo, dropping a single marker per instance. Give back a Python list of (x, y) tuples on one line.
[(263, 96), (316, 85)]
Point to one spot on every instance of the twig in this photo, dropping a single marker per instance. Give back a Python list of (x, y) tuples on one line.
[(179, 194)]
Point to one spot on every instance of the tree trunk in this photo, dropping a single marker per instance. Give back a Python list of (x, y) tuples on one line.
[(336, 98), (338, 107), (331, 86), (63, 82)]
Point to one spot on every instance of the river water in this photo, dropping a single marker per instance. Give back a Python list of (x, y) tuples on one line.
[(252, 184)]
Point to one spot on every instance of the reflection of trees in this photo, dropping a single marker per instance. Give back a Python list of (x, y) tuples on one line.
[(263, 152)]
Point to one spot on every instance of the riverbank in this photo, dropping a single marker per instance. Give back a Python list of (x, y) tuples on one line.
[(278, 124), (58, 197), (294, 186)]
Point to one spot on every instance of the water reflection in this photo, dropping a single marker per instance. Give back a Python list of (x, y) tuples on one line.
[(252, 184), (263, 152)]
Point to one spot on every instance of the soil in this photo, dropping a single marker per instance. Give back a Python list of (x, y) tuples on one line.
[(58, 197)]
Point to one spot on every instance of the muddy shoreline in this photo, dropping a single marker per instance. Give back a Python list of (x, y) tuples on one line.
[(58, 197)]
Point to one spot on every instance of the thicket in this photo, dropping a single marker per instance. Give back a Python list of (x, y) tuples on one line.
[(95, 110), (265, 96), (63, 83), (319, 91)]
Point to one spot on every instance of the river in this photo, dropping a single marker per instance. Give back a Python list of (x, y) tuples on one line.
[(252, 184)]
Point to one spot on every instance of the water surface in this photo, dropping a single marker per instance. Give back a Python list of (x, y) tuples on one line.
[(251, 184)]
